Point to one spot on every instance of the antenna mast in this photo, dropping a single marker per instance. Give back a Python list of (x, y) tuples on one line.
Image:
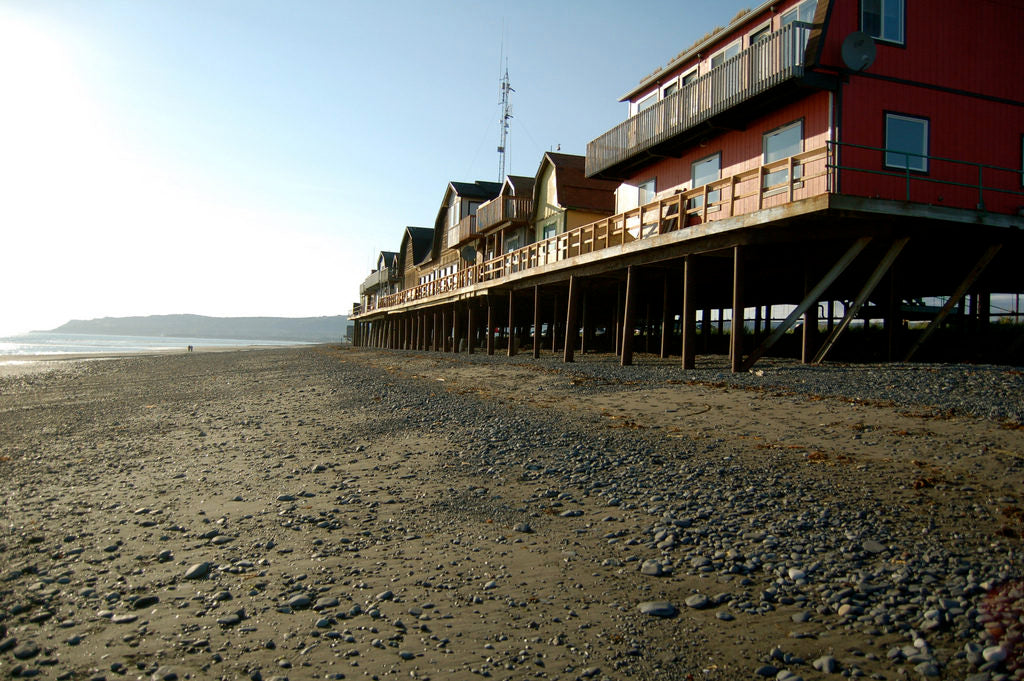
[(506, 115)]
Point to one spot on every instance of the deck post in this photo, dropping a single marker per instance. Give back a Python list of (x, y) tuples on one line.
[(455, 328), (536, 322), (810, 330), (757, 321), (554, 325), (437, 331), (584, 320), (893, 316), (570, 320), (490, 324), (810, 299), (957, 296), (689, 321), (705, 329), (618, 320), (736, 326), (444, 328), (862, 297), (511, 323), (627, 318), (664, 319), (470, 329)]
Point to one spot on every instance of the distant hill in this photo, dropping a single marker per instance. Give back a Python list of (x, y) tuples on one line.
[(302, 329)]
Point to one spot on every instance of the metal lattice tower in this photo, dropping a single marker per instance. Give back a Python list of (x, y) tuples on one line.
[(505, 88)]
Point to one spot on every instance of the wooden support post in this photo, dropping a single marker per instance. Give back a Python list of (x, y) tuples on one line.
[(705, 329), (554, 326), (869, 286), (536, 322), (455, 328), (511, 323), (957, 296), (666, 326), (984, 310), (444, 328), (810, 331), (470, 329), (570, 320), (437, 331), (584, 322), (627, 318), (831, 316), (490, 324), (736, 326), (689, 320), (647, 327), (893, 318), (810, 299), (618, 320)]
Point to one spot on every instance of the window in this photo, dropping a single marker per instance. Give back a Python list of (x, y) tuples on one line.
[(760, 34), (906, 142), (726, 54), (670, 89), (550, 229), (646, 193), (779, 144), (883, 19), (688, 77), (803, 12), (647, 102), (705, 171)]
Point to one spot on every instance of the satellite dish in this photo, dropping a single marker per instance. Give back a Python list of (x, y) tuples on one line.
[(858, 51), (468, 253)]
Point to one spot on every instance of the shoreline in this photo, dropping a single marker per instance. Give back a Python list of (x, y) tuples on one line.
[(20, 365)]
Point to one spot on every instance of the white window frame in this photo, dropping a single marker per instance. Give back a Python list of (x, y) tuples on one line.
[(651, 193), (772, 178), (674, 82), (916, 164), (784, 20), (713, 196), (762, 27), (901, 7), (738, 44), (646, 102), (685, 75)]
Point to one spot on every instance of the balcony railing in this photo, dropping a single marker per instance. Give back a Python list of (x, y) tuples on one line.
[(760, 67), (961, 184), (462, 232), (511, 209)]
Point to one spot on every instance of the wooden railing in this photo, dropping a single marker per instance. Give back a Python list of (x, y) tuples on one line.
[(503, 209), (806, 175), (465, 230), (756, 69)]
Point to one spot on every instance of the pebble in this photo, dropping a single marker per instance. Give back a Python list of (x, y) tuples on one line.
[(697, 601), (658, 608), (198, 571)]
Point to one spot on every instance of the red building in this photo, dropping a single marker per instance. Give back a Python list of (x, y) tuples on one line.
[(862, 156)]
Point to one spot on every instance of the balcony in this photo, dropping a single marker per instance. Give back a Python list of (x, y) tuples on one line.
[(376, 281), (753, 73), (463, 232), (511, 209)]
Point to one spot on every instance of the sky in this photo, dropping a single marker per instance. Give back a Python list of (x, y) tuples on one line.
[(252, 157)]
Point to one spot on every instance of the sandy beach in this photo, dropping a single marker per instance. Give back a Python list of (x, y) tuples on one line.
[(328, 512)]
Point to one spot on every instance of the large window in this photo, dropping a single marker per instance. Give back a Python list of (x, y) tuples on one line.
[(883, 19), (726, 54), (779, 144), (646, 192), (704, 171), (906, 142), (803, 12)]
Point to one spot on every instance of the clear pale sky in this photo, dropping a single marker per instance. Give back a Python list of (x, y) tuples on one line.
[(248, 157)]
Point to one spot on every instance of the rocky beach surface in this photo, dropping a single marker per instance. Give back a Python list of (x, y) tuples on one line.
[(339, 513)]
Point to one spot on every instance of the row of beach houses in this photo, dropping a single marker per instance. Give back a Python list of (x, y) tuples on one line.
[(843, 160)]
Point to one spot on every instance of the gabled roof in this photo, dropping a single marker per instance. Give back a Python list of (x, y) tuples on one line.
[(520, 185), (481, 189), (574, 189), (389, 258), (422, 238)]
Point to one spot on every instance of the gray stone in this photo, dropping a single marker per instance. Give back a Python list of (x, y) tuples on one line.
[(697, 601), (198, 571), (657, 608)]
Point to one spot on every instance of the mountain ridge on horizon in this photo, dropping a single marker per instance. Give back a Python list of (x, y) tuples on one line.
[(305, 329)]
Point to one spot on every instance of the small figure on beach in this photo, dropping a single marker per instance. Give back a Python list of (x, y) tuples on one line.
[(190, 348)]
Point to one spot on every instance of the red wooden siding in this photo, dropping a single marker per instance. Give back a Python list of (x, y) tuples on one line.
[(743, 150)]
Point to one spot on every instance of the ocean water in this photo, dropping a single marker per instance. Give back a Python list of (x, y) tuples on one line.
[(44, 343)]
